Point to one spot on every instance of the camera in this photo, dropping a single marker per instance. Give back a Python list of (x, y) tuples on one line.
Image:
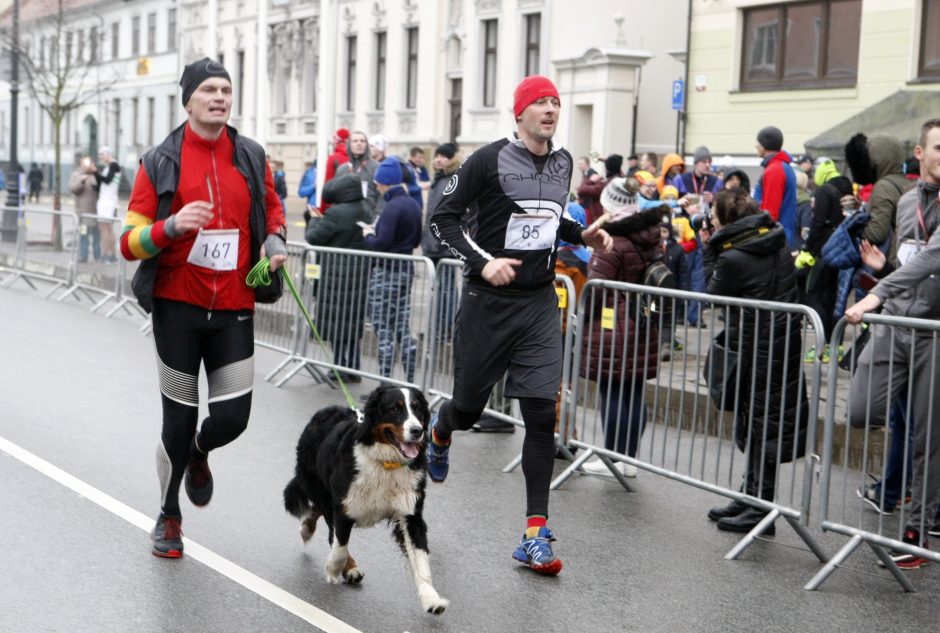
[(701, 221)]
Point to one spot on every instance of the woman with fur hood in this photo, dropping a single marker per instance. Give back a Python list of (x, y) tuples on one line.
[(637, 240)]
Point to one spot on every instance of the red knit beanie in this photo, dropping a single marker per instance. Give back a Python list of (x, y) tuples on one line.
[(342, 133), (531, 89)]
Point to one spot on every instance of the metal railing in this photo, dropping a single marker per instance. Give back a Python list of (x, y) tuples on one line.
[(629, 404), (881, 453)]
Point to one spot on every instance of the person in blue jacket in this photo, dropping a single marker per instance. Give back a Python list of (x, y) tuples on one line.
[(398, 230), (308, 184)]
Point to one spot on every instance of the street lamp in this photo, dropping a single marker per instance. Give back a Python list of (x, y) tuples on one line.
[(8, 229)]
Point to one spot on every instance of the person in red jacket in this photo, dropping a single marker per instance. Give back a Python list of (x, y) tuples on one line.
[(339, 156), (776, 190), (202, 212)]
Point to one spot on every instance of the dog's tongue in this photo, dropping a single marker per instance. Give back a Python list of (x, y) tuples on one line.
[(410, 450)]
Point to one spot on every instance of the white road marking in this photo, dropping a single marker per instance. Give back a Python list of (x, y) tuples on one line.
[(270, 592)]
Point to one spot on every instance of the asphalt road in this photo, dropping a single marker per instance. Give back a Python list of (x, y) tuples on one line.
[(79, 425)]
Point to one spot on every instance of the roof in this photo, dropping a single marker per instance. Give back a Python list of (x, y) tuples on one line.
[(899, 115)]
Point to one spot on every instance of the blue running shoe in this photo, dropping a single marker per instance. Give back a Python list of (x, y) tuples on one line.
[(536, 552), (438, 462)]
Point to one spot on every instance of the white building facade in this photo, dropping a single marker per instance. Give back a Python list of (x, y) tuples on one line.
[(419, 71)]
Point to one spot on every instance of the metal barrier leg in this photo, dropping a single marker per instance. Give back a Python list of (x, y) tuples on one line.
[(890, 565), (54, 289), (811, 542), (271, 374), (759, 529), (514, 464), (575, 465), (102, 302), (834, 562)]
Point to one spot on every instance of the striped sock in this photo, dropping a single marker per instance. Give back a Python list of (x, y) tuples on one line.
[(437, 440), (534, 523)]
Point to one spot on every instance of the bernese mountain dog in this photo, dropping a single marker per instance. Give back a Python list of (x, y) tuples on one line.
[(360, 472)]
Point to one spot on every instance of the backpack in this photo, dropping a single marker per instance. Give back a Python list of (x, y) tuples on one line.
[(658, 275)]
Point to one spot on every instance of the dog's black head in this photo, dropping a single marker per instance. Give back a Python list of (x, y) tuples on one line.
[(396, 420)]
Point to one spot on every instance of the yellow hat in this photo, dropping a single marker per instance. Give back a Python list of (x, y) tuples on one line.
[(670, 190), (644, 176)]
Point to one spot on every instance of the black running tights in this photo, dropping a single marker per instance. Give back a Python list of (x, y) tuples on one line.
[(538, 447), (185, 337)]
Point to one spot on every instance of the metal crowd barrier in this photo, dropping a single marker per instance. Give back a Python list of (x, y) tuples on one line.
[(372, 311), (881, 461), (41, 251), (686, 438), (102, 270), (48, 249)]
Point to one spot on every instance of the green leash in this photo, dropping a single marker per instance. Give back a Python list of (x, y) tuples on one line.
[(260, 275)]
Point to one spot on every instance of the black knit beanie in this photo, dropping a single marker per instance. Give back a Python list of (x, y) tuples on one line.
[(197, 72), (771, 138)]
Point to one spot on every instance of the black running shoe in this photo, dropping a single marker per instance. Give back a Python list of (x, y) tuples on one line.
[(198, 480), (167, 537)]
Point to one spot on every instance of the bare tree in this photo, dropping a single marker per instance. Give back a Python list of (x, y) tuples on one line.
[(61, 79)]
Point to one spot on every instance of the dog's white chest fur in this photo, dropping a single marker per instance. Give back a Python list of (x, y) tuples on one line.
[(378, 493)]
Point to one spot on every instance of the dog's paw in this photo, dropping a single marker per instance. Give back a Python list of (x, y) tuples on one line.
[(354, 576), (434, 604), (334, 578), (333, 571), (307, 527)]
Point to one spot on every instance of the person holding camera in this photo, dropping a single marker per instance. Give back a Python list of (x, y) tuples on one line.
[(747, 256)]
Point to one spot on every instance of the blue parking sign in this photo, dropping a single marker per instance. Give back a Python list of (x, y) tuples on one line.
[(678, 94)]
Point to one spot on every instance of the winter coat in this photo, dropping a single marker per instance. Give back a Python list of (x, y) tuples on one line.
[(430, 245), (762, 269), (399, 228), (589, 197), (669, 161), (636, 243), (804, 217), (364, 168), (887, 159), (85, 188), (776, 193), (827, 213), (342, 291)]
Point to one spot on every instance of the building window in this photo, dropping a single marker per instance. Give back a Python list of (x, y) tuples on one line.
[(116, 136), (115, 39), (171, 30), (350, 73), (80, 51), (801, 45), (135, 120), (489, 63), (151, 114), (93, 45), (929, 65), (151, 33), (311, 66), (456, 108), (135, 36), (69, 38), (170, 113), (411, 69), (380, 58), (240, 76), (533, 38)]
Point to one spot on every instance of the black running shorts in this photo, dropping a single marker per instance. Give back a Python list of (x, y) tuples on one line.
[(496, 333)]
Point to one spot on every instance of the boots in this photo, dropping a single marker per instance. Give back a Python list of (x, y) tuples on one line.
[(745, 522), (733, 509)]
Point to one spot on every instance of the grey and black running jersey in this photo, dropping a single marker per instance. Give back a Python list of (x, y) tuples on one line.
[(500, 186)]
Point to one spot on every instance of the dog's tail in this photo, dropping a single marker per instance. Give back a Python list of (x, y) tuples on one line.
[(295, 500)]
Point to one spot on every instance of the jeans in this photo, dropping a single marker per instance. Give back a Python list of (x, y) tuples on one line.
[(697, 270), (898, 470), (623, 415), (92, 233), (390, 313)]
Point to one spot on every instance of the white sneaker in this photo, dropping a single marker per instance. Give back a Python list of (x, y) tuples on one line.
[(597, 467)]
